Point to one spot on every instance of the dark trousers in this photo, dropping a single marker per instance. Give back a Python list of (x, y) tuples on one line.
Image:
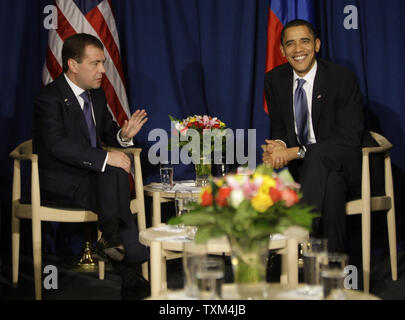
[(108, 194), (329, 175)]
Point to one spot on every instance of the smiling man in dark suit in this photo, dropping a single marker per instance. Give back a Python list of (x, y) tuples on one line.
[(71, 121), (317, 126)]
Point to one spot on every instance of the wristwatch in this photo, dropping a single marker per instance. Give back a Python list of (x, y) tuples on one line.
[(301, 153)]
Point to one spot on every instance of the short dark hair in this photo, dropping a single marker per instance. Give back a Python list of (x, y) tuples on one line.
[(74, 47), (298, 23)]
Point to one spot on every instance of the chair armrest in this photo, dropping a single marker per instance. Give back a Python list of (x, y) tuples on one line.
[(18, 156), (384, 145), (132, 150)]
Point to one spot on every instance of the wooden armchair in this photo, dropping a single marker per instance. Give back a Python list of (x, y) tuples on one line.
[(38, 213), (367, 204)]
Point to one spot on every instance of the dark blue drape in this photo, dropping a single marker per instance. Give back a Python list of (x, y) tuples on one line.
[(374, 51), (189, 57), (184, 57)]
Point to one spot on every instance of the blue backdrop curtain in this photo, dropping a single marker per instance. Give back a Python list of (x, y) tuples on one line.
[(189, 57), (184, 57), (374, 51)]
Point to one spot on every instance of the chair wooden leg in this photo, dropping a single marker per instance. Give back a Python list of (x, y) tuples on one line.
[(37, 255), (365, 235), (392, 237), (15, 248)]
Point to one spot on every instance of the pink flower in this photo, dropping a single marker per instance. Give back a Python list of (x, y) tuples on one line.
[(290, 197)]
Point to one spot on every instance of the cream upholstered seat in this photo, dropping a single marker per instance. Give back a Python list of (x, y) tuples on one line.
[(38, 213), (367, 204)]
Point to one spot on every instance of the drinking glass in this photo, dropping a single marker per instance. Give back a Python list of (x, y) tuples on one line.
[(314, 252), (166, 174), (192, 255), (183, 201), (210, 277), (333, 275)]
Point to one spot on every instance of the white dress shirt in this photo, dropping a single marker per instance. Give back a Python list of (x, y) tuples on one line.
[(77, 92)]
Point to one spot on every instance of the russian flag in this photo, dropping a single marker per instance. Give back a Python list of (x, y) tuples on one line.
[(281, 12)]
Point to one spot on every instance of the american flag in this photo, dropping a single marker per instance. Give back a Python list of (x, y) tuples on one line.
[(94, 17)]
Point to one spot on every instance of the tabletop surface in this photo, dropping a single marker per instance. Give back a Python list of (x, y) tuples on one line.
[(173, 238), (266, 291), (180, 189)]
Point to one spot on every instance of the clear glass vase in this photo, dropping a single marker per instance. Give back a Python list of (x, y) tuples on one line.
[(203, 171), (249, 264)]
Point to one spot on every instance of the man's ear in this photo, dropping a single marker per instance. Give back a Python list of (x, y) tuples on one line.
[(72, 63), (317, 45)]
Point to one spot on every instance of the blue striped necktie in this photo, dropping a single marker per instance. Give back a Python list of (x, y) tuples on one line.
[(301, 112)]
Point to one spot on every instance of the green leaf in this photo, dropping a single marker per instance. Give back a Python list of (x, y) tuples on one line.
[(204, 233)]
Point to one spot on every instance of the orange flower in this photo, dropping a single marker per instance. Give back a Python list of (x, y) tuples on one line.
[(222, 196), (206, 198)]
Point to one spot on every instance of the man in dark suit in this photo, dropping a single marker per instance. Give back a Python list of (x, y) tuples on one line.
[(71, 121), (317, 126)]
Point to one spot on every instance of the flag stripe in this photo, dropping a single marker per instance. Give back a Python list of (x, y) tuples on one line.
[(52, 64), (109, 18)]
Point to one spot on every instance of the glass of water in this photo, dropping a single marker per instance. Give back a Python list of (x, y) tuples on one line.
[(314, 253), (333, 275), (210, 277), (183, 201), (166, 174)]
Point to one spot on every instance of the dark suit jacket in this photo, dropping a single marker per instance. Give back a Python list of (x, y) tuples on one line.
[(61, 139), (337, 108)]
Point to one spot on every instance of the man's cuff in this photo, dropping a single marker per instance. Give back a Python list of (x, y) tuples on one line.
[(105, 163), (124, 144)]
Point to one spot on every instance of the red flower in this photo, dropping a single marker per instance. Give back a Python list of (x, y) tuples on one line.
[(206, 198), (222, 196), (275, 194)]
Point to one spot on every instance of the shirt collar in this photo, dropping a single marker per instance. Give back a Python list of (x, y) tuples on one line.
[(76, 89), (310, 76)]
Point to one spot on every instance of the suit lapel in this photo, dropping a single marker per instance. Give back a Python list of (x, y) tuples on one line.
[(319, 95), (72, 105)]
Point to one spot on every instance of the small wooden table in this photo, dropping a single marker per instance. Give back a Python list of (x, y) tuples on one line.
[(160, 195), (164, 241)]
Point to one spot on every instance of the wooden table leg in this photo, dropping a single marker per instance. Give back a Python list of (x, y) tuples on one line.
[(156, 268), (292, 261), (156, 210)]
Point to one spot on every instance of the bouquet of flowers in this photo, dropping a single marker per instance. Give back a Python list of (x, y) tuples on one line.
[(201, 135), (248, 207), (200, 125)]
